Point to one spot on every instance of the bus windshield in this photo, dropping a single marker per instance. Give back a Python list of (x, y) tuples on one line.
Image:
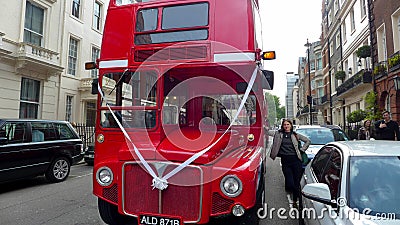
[(130, 89)]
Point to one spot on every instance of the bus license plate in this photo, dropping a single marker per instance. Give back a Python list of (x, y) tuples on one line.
[(159, 220)]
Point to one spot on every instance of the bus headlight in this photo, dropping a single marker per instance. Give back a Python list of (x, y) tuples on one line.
[(231, 186), (104, 176)]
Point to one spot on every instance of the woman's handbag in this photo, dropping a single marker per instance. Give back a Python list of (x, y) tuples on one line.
[(304, 156)]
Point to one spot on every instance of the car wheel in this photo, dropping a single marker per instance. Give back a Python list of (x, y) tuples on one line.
[(110, 215), (59, 170)]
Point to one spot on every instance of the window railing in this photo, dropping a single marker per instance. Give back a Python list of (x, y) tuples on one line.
[(362, 77)]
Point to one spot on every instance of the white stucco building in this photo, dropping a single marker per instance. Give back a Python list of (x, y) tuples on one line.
[(43, 47)]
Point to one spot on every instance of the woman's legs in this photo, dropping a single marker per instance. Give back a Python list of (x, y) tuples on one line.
[(292, 168)]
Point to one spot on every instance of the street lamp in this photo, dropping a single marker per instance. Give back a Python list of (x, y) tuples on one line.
[(309, 97)]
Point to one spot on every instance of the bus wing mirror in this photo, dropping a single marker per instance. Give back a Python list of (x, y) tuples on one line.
[(268, 82), (95, 90)]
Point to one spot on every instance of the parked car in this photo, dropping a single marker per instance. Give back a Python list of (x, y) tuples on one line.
[(321, 135), (353, 182), (89, 155), (29, 148)]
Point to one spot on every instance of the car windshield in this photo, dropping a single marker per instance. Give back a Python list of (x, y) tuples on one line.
[(317, 136), (374, 185)]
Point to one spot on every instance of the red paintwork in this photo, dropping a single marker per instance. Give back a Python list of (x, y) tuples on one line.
[(238, 157)]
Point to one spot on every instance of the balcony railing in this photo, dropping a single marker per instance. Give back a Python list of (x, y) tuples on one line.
[(394, 62), (362, 77)]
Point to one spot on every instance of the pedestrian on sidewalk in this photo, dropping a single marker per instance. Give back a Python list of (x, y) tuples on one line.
[(387, 129), (286, 146), (366, 132)]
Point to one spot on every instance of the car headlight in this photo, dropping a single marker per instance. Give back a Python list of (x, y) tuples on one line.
[(104, 176), (231, 186)]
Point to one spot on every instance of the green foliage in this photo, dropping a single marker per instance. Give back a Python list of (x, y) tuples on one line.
[(275, 111), (340, 75), (371, 106), (378, 69), (394, 60), (356, 116), (364, 51)]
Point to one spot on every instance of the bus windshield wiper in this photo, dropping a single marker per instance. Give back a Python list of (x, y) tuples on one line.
[(120, 80)]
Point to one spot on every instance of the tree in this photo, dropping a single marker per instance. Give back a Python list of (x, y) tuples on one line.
[(356, 116), (340, 75), (371, 106), (275, 111)]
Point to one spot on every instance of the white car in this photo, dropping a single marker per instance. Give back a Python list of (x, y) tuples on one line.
[(320, 135), (352, 182)]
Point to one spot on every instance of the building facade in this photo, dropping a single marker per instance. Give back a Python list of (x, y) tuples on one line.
[(385, 27), (291, 80), (345, 77), (42, 56), (310, 84)]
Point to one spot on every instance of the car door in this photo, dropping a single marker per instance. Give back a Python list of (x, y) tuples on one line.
[(14, 163), (42, 144), (325, 168)]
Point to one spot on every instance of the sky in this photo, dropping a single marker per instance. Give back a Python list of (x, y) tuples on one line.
[(286, 26)]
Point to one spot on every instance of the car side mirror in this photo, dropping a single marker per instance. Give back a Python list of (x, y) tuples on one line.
[(318, 192)]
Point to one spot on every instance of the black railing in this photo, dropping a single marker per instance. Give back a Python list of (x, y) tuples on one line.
[(86, 133), (362, 77)]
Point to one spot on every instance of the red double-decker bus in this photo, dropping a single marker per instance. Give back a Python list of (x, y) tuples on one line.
[(181, 111)]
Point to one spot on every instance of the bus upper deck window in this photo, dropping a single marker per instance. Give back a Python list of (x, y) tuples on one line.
[(185, 16), (146, 20)]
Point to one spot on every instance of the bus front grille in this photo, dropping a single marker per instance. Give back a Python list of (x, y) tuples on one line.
[(183, 197), (171, 53)]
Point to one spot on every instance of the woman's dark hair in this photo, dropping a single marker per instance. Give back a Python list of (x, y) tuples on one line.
[(365, 122), (286, 120)]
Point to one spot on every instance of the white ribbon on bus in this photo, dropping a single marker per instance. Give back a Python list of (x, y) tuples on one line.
[(161, 183)]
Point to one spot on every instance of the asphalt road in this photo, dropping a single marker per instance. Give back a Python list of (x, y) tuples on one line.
[(37, 202)]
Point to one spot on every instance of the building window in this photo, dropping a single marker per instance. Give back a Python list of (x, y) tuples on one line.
[(363, 8), (338, 44), (336, 6), (95, 56), (97, 16), (352, 21), (91, 113), (396, 32), (344, 31), (76, 5), (68, 108), (312, 66), (331, 47), (29, 98), (319, 61), (387, 102), (381, 43), (33, 29), (72, 56)]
